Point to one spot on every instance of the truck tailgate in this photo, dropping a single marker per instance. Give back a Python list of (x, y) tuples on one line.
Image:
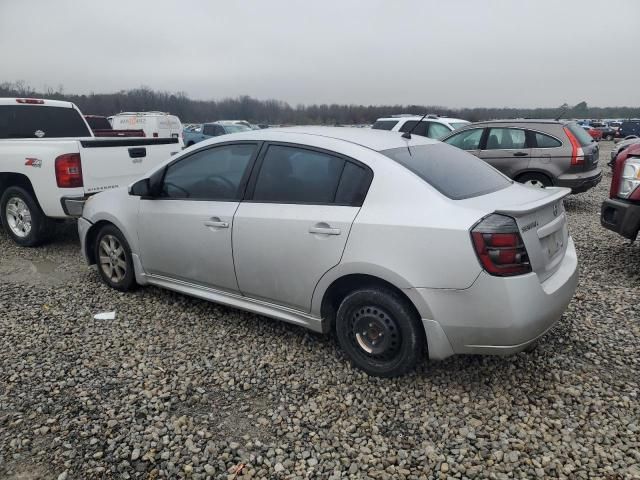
[(116, 162)]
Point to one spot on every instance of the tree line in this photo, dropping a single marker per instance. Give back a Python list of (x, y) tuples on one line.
[(278, 112)]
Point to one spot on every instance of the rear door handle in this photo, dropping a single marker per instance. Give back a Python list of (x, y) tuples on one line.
[(215, 222), (324, 229), (520, 154)]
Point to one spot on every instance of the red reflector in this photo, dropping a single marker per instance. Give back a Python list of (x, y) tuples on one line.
[(69, 170), (33, 101)]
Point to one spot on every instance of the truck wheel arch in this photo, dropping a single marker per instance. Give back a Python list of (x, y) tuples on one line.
[(17, 180)]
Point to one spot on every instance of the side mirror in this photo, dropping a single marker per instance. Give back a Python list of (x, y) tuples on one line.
[(141, 188)]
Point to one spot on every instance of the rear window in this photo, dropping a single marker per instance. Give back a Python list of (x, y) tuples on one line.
[(36, 121), (580, 133), (98, 123), (453, 172), (385, 124)]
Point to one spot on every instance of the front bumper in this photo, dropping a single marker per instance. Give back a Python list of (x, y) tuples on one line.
[(83, 228), (498, 315), (621, 217), (580, 182)]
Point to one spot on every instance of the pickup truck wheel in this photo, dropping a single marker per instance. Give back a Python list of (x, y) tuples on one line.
[(379, 332), (22, 218), (113, 257)]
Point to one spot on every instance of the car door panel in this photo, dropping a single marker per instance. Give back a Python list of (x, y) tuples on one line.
[(188, 241), (282, 251)]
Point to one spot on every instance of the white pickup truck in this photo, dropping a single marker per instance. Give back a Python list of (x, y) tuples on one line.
[(50, 162)]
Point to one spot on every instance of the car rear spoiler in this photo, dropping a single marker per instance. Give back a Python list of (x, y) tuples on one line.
[(555, 194)]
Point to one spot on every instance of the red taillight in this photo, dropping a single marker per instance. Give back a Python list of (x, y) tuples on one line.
[(33, 101), (577, 154), (499, 246), (69, 170), (155, 134)]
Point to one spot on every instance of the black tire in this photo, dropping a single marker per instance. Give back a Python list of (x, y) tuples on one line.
[(393, 342), (40, 227), (535, 179), (116, 249)]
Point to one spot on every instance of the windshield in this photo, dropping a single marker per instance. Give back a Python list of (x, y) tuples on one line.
[(457, 125), (236, 127), (453, 172)]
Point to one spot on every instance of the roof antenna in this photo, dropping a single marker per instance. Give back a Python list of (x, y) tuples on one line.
[(407, 134)]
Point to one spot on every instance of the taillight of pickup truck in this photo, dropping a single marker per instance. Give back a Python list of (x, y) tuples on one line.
[(68, 169)]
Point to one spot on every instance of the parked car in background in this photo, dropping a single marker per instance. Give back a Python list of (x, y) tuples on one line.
[(620, 213), (593, 132), (432, 126), (630, 127), (154, 124), (326, 228), (50, 163), (621, 145), (101, 127), (607, 132), (539, 153), (214, 129)]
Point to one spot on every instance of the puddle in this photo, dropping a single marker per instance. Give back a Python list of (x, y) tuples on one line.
[(36, 271)]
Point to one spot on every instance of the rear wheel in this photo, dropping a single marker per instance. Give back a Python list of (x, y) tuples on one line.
[(380, 332), (22, 218), (113, 257), (534, 180)]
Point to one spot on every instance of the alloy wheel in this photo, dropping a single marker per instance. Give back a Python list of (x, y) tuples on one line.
[(113, 260), (18, 217)]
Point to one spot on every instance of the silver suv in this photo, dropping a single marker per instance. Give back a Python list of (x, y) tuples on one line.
[(540, 153)]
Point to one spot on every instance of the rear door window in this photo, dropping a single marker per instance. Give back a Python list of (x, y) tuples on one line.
[(467, 139), (39, 121), (385, 124), (454, 173), (506, 139)]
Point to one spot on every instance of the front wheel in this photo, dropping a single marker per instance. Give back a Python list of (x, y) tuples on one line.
[(113, 257), (380, 332), (534, 180), (22, 218)]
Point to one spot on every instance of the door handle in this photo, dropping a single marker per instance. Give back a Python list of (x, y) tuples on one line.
[(520, 154), (215, 222), (324, 229)]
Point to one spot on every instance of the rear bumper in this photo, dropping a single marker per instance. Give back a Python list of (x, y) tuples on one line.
[(580, 182), (621, 217), (73, 206), (498, 315)]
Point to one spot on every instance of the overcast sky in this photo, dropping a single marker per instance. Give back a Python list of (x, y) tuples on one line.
[(454, 53)]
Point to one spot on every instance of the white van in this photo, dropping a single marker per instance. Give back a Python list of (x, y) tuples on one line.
[(154, 124)]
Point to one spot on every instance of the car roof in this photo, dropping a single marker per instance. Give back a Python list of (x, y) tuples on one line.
[(50, 103), (377, 140), (418, 117)]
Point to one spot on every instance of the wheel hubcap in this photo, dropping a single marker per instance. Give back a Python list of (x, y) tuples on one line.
[(534, 183), (18, 217), (374, 332), (113, 260)]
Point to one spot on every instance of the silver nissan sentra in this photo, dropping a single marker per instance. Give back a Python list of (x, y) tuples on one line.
[(403, 248)]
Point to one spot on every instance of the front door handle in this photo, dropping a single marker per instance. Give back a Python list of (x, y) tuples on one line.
[(324, 229), (520, 154), (215, 222)]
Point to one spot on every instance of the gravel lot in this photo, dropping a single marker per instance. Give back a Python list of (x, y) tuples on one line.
[(177, 387)]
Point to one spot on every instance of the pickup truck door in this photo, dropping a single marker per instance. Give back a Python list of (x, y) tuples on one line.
[(185, 233), (109, 163)]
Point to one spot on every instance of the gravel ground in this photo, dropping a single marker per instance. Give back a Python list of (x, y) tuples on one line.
[(177, 387)]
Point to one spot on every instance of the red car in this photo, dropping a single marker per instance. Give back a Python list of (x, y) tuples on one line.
[(621, 212), (594, 132)]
